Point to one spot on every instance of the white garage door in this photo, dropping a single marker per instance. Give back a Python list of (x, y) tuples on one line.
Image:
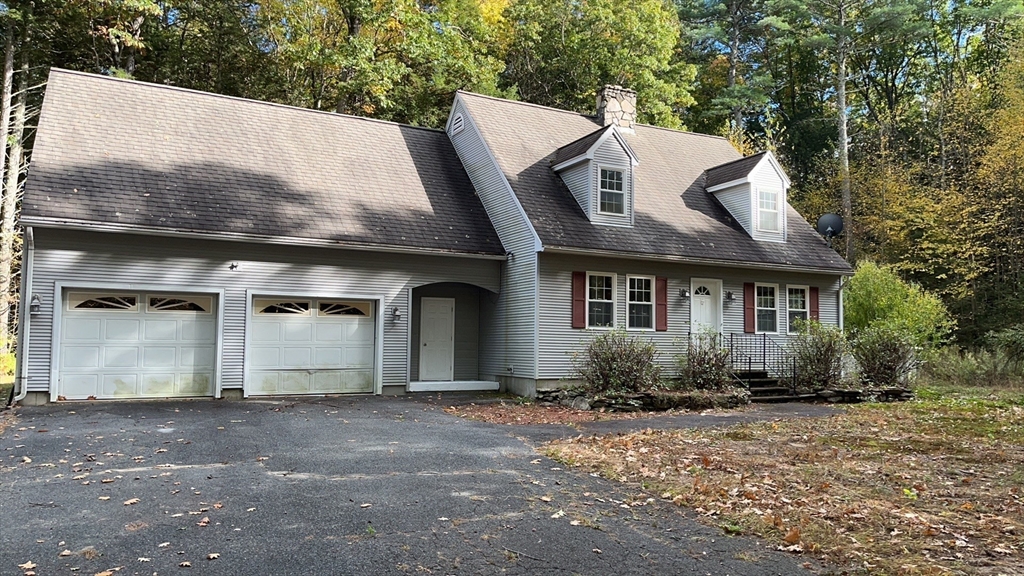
[(136, 345), (311, 346)]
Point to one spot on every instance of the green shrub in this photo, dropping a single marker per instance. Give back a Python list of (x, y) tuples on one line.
[(954, 366), (7, 362), (818, 351), (1009, 343), (885, 356), (876, 296), (705, 366), (616, 361)]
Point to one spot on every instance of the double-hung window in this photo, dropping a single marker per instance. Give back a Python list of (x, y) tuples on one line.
[(600, 300), (640, 302), (796, 306), (767, 210), (767, 308), (613, 198)]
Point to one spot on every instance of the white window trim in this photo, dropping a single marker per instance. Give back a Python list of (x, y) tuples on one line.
[(615, 299), (625, 185), (777, 211), (756, 308), (807, 304), (653, 303)]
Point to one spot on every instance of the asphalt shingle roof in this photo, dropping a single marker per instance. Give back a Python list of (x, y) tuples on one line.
[(732, 170), (577, 147), (674, 215), (144, 156)]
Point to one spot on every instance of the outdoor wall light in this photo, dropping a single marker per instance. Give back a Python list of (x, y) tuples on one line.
[(729, 296), (395, 314), (684, 293), (35, 305)]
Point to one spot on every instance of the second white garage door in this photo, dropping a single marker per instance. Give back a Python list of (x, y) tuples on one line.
[(311, 346)]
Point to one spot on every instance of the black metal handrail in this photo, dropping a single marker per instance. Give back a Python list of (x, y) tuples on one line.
[(751, 353)]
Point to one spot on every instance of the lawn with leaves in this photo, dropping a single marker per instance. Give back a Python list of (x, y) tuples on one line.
[(931, 486), (524, 413)]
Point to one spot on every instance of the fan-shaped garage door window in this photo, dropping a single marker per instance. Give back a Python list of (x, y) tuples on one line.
[(329, 308), (180, 303), (87, 301), (295, 307)]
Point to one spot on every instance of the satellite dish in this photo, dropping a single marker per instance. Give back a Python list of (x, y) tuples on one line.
[(830, 225)]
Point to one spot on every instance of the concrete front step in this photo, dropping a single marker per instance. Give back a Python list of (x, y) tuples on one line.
[(786, 398), (769, 390)]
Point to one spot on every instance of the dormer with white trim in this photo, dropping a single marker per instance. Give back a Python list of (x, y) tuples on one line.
[(598, 170), (754, 191)]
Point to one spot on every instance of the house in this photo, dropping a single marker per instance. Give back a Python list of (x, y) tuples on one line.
[(179, 243)]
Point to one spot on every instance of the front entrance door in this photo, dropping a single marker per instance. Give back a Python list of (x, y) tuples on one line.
[(437, 339), (705, 305)]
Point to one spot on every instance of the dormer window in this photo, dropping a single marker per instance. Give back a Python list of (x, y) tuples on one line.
[(768, 210), (613, 199)]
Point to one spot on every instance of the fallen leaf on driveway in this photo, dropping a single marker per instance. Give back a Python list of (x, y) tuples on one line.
[(141, 559), (132, 501), (250, 510), (104, 498), (27, 565), (597, 550), (365, 505), (107, 480), (64, 553), (558, 514), (185, 564), (204, 522), (163, 545), (545, 498), (26, 460), (575, 523), (212, 556)]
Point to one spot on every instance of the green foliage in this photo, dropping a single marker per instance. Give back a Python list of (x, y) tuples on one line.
[(561, 52), (7, 363), (885, 356), (614, 361), (705, 366), (876, 297), (954, 366), (818, 351), (1009, 343)]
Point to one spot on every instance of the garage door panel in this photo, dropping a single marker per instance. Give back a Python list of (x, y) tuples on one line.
[(196, 384), (134, 349), (79, 385), (328, 357), (294, 383), (157, 330), (296, 358), (120, 357), (328, 332), (83, 329), (157, 384), (323, 347), (120, 385), (196, 357), (266, 332), (81, 357), (121, 330), (264, 357), (295, 332), (198, 331)]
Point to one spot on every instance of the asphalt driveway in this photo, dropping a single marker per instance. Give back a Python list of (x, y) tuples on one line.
[(368, 485)]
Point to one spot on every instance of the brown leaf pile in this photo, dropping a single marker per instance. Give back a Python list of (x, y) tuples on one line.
[(920, 488)]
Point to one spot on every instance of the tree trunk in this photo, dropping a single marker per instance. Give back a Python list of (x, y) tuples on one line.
[(734, 51), (5, 127), (12, 189), (842, 49)]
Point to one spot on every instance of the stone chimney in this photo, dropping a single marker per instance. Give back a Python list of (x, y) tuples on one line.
[(616, 106)]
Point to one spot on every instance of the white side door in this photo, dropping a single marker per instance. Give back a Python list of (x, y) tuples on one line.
[(437, 339)]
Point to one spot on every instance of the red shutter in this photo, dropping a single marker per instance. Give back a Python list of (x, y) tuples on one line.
[(814, 303), (749, 313), (661, 304), (579, 299)]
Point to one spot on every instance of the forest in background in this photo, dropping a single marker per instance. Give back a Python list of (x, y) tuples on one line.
[(905, 116)]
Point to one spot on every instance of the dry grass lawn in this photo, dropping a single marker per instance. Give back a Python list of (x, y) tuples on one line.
[(932, 486), (523, 413)]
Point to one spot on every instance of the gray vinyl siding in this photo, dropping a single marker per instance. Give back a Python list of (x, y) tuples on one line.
[(509, 342), (737, 200), (90, 259), (558, 340), (577, 179), (611, 155), (764, 177), (467, 328)]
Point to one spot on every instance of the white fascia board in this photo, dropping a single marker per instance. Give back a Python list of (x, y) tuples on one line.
[(86, 225), (570, 163), (613, 132), (729, 184)]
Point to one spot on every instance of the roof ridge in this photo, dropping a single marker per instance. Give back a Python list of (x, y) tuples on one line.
[(761, 153), (589, 116), (584, 137), (290, 107)]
